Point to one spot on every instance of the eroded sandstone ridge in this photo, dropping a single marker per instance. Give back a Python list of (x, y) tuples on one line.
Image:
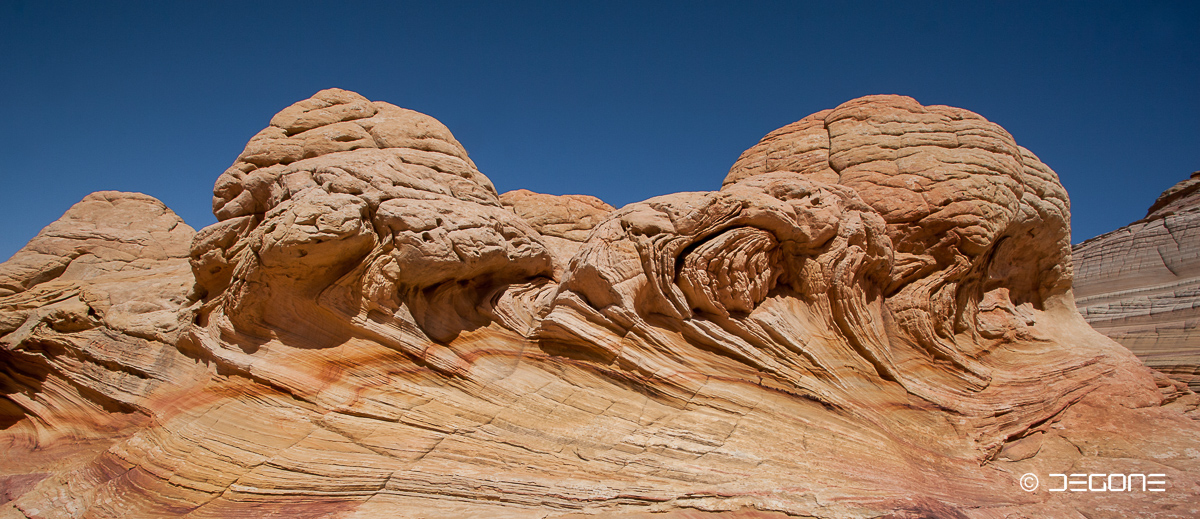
[(872, 317), (1140, 284)]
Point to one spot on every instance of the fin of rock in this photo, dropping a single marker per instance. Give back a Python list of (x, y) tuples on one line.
[(1140, 284)]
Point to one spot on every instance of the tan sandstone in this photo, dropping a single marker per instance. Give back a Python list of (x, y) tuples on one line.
[(563, 221), (872, 318), (1140, 284)]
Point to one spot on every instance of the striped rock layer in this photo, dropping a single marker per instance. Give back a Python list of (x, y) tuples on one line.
[(1140, 284), (872, 317)]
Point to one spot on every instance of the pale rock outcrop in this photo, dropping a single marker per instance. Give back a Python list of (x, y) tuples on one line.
[(564, 221), (1140, 284), (93, 308), (873, 317), (104, 233)]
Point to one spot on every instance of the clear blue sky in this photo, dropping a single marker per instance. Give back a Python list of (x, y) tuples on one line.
[(622, 100)]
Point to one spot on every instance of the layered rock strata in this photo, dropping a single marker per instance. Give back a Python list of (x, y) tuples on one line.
[(873, 317), (1140, 284), (93, 308)]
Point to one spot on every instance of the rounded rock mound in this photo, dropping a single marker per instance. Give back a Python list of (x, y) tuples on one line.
[(872, 317)]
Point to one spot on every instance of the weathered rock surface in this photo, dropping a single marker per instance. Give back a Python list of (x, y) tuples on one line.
[(563, 221), (93, 308), (1140, 284), (873, 317)]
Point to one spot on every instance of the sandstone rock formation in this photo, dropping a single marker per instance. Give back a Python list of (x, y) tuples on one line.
[(1140, 284), (563, 221), (873, 317), (93, 308)]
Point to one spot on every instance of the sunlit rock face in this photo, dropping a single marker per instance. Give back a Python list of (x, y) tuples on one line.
[(1140, 284), (873, 316)]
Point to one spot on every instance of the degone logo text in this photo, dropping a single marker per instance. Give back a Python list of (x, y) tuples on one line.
[(1098, 482)]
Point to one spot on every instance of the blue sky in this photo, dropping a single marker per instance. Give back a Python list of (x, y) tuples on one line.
[(622, 100)]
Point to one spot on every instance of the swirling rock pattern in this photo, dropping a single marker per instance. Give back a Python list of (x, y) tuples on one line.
[(873, 317), (93, 308), (1140, 284)]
